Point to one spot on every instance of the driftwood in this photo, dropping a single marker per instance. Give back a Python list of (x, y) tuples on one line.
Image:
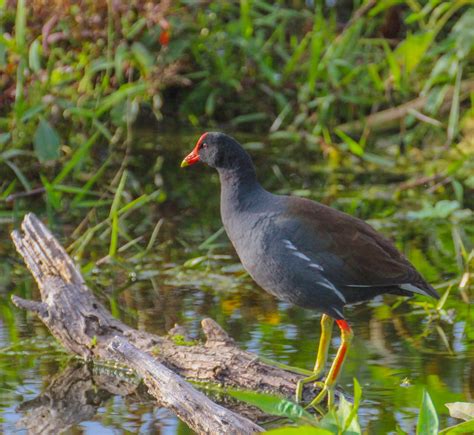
[(85, 327)]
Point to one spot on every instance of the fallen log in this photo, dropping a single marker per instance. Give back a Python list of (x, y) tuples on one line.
[(85, 327), (179, 396)]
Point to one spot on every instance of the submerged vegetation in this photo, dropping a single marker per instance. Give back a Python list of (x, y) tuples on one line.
[(367, 108)]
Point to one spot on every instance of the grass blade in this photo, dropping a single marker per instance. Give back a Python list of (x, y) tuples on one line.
[(76, 159), (114, 215)]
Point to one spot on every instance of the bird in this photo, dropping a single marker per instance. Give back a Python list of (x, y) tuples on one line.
[(304, 252)]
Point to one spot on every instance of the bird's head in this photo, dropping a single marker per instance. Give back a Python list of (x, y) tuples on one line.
[(218, 151)]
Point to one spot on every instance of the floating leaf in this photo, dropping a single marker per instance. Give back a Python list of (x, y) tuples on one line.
[(46, 141)]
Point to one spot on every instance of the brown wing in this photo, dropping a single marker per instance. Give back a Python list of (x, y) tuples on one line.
[(351, 252)]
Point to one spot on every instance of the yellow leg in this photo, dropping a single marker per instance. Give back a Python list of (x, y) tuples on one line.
[(321, 359), (331, 380)]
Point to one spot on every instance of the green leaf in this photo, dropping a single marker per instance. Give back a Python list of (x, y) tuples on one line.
[(410, 52), (378, 160), (445, 208), (440, 305), (192, 262), (350, 422), (273, 405), (76, 158), (453, 123), (143, 56), (463, 33), (19, 174), (463, 428), (34, 56), (115, 216), (441, 210), (211, 103), (136, 28), (392, 63), (294, 60), (354, 147), (121, 54), (20, 25), (330, 422), (250, 117), (32, 112), (346, 413), (46, 141), (54, 198), (428, 419), (125, 91)]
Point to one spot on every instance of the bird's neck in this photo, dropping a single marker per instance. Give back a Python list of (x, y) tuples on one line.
[(239, 188)]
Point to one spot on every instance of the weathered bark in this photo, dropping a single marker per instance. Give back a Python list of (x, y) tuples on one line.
[(84, 326), (179, 396)]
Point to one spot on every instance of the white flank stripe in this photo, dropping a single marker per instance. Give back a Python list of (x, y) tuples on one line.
[(324, 283), (330, 286), (301, 255), (289, 245)]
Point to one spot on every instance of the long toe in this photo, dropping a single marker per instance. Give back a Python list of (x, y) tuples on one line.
[(301, 383), (327, 391)]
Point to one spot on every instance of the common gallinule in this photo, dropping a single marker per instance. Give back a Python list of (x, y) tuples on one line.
[(304, 252)]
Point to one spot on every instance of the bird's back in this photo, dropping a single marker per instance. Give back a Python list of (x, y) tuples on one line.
[(315, 256)]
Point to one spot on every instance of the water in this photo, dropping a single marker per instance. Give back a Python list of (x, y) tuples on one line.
[(399, 349)]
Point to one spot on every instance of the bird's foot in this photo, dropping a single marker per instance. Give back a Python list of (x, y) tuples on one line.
[(327, 391), (302, 382)]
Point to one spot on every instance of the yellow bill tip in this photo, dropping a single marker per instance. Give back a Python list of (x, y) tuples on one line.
[(184, 163)]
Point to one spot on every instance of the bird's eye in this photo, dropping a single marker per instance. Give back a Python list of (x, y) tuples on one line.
[(204, 145)]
